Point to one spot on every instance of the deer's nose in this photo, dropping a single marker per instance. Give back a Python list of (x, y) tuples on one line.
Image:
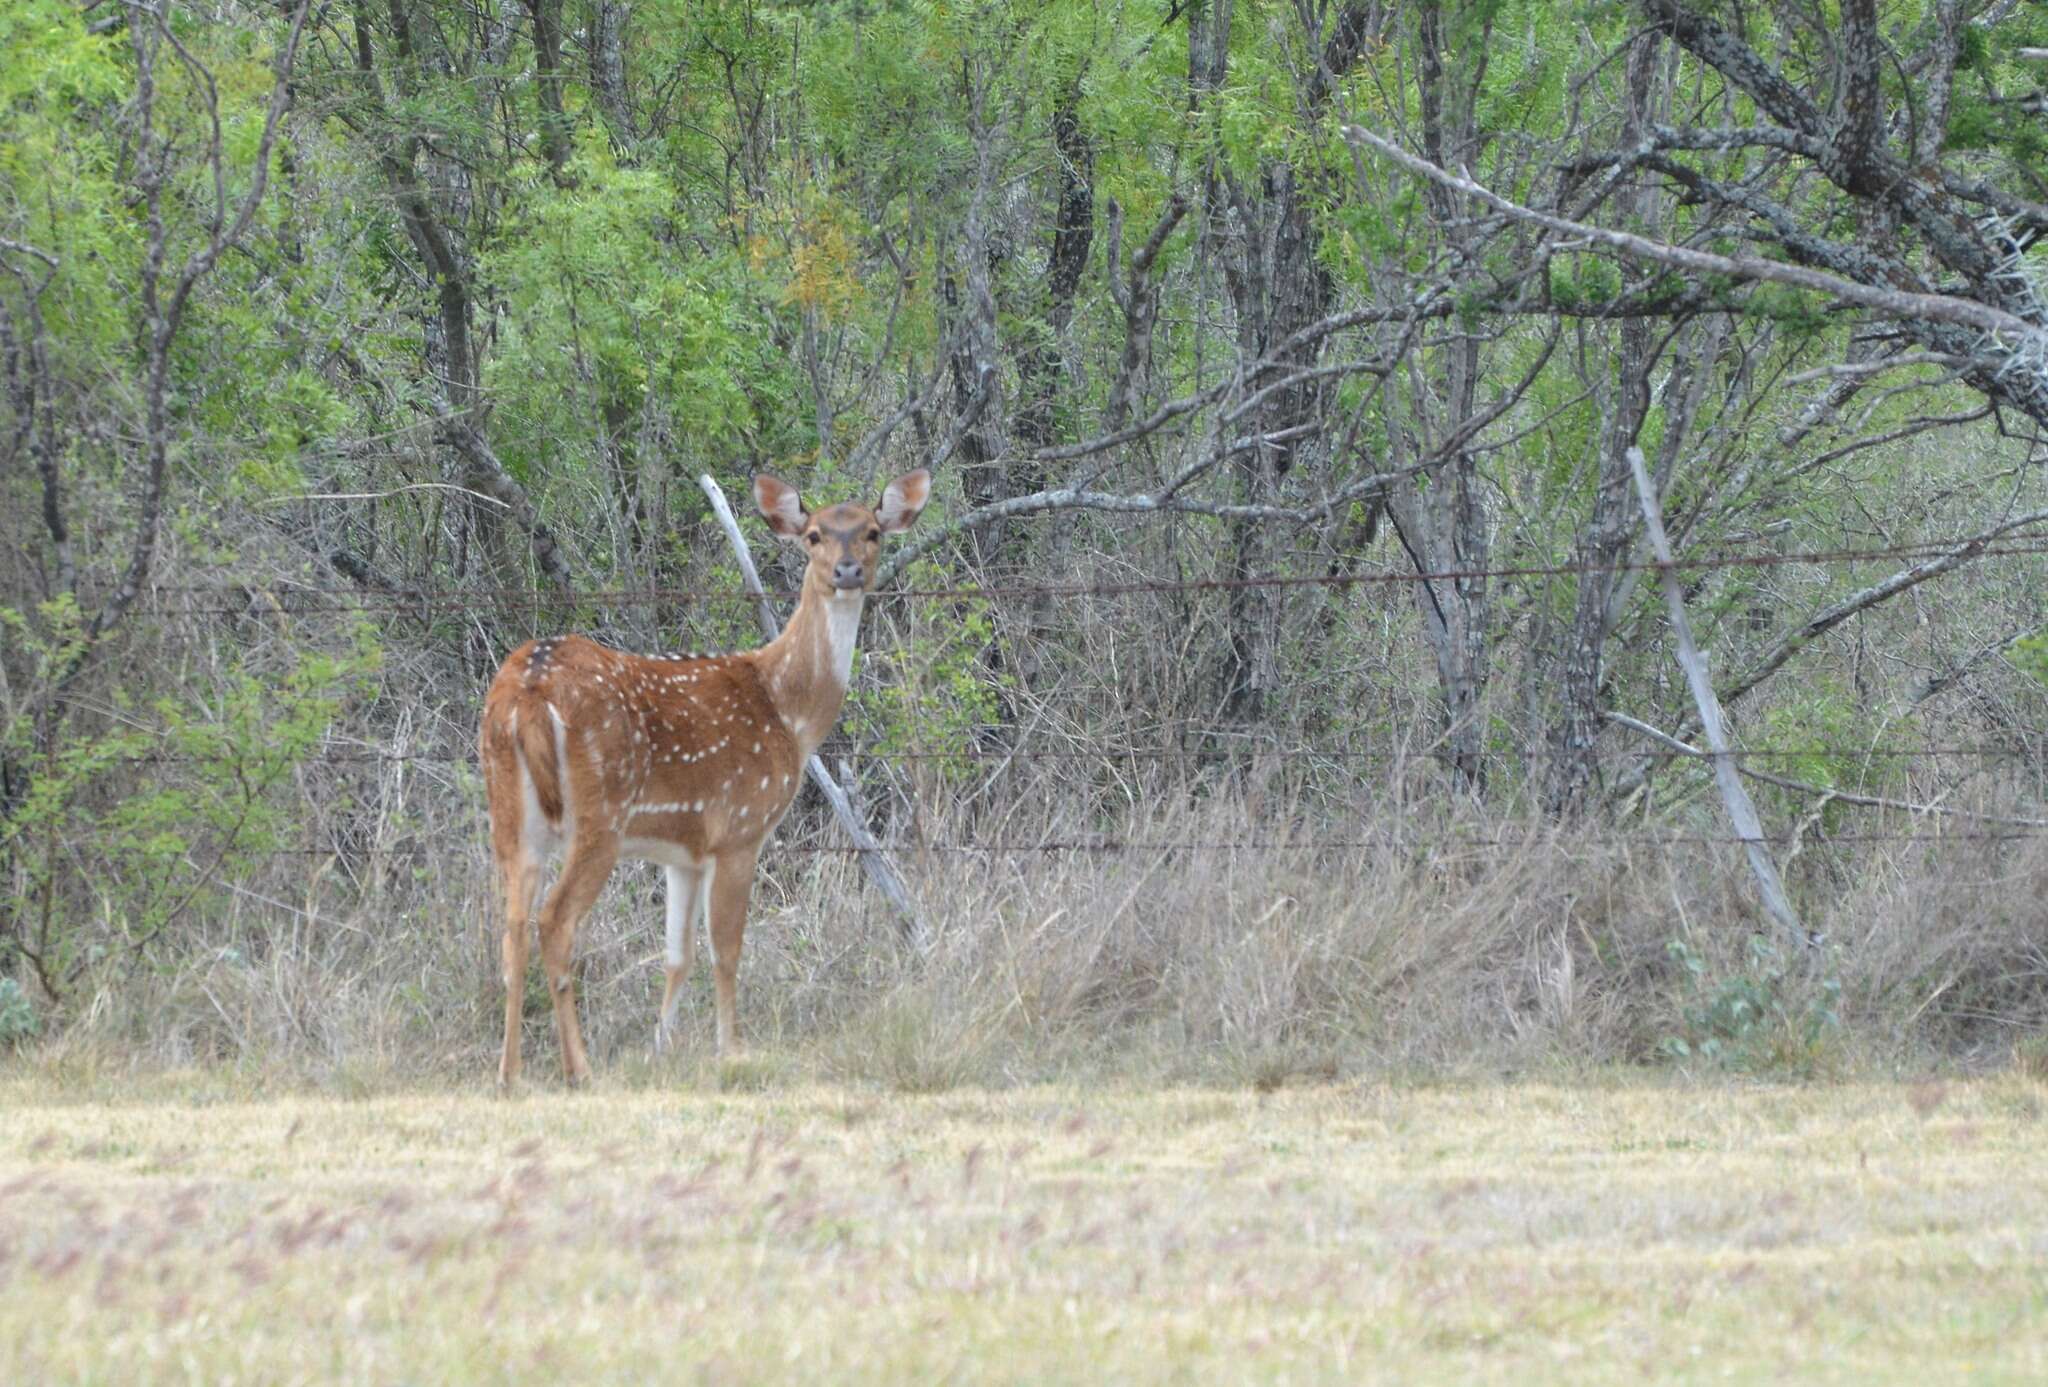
[(848, 573)]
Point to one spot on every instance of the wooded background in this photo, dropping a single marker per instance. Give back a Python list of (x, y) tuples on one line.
[(1277, 675)]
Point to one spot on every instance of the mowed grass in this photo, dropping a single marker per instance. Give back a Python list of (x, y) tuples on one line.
[(636, 1233)]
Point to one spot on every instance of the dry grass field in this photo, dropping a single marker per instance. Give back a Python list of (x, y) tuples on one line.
[(183, 1231)]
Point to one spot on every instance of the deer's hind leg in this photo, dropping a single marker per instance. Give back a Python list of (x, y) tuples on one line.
[(584, 872), (521, 839), (522, 890)]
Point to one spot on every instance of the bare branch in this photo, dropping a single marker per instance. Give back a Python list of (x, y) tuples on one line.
[(1792, 642), (387, 494), (1074, 498), (1882, 364), (23, 248), (1957, 672), (862, 458), (1895, 303), (1806, 787), (489, 475), (1140, 304), (1717, 139)]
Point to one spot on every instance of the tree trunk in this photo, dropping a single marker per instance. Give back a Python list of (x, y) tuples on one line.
[(1441, 517), (448, 347), (1609, 530), (971, 295), (606, 47), (1073, 233), (547, 64), (1267, 244)]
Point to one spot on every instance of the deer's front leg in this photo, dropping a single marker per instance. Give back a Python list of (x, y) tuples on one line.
[(686, 891), (732, 884)]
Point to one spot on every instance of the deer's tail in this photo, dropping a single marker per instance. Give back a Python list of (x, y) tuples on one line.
[(538, 723)]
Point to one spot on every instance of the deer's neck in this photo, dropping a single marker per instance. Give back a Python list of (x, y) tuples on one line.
[(807, 667)]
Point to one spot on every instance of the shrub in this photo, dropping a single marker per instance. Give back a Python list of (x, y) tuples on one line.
[(1761, 1018), (18, 1020)]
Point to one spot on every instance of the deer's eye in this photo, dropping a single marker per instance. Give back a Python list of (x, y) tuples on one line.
[(874, 536), (813, 537)]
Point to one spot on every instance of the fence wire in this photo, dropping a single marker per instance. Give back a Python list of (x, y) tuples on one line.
[(1109, 754), (314, 599), (255, 601), (1578, 833), (1308, 846)]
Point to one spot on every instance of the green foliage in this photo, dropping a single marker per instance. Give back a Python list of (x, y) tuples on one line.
[(126, 829), (605, 315), (934, 693), (1361, 233), (1821, 726), (1583, 281), (1255, 116), (1527, 55), (58, 188), (1758, 1018), (52, 57), (1973, 47), (1991, 72), (18, 1020), (1797, 310), (879, 93), (1973, 122), (2030, 654)]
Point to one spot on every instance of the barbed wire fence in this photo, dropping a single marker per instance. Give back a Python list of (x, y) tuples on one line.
[(224, 600), (242, 600)]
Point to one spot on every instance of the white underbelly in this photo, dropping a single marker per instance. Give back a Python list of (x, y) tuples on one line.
[(660, 850)]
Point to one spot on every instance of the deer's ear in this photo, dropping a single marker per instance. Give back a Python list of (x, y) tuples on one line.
[(902, 499), (779, 506)]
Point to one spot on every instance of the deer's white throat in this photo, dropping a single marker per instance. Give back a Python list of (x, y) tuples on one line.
[(842, 630)]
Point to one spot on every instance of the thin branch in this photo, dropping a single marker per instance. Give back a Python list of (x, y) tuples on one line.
[(386, 495), (1792, 642), (1896, 303), (860, 461), (490, 474), (24, 248), (1950, 677), (163, 319), (1074, 498), (1889, 363), (1807, 787), (1134, 294)]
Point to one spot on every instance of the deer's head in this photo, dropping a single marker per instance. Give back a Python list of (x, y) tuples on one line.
[(843, 541)]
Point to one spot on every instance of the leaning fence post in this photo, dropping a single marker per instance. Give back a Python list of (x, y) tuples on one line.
[(1741, 812), (872, 859)]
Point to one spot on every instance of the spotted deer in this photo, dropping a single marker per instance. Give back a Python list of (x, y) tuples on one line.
[(686, 761)]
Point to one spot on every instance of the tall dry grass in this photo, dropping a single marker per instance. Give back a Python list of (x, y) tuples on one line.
[(1445, 941)]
